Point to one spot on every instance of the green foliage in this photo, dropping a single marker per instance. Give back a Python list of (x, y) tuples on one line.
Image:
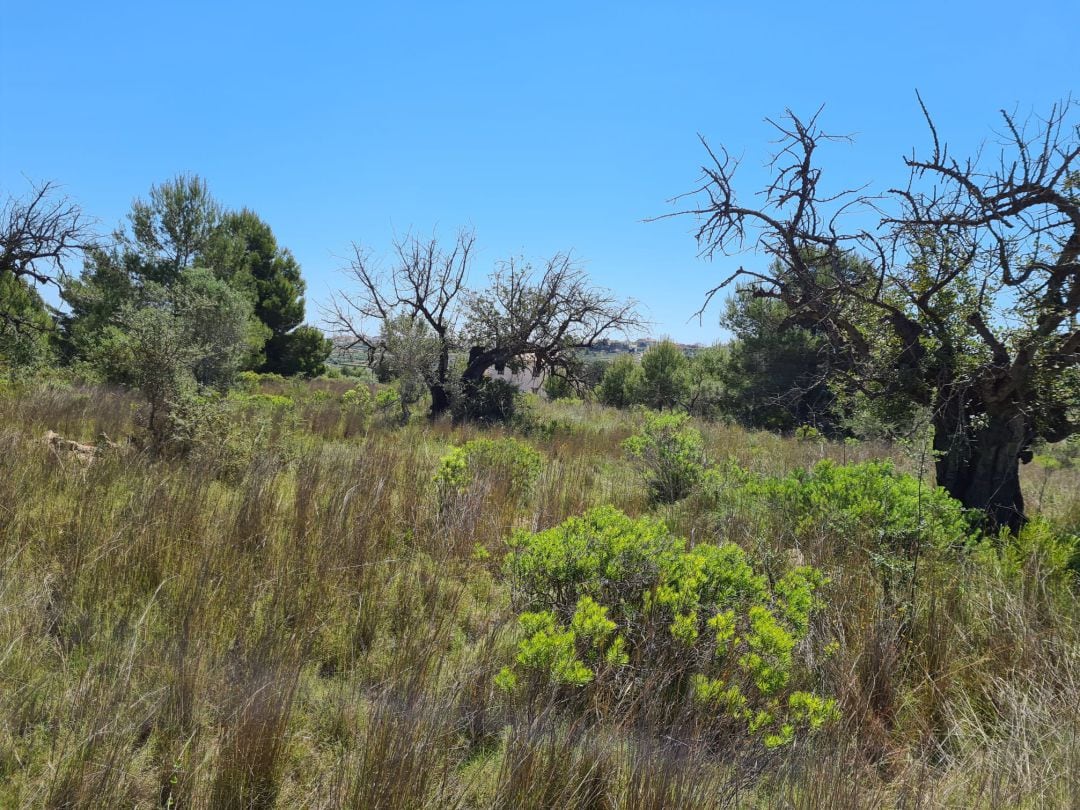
[(244, 251), (703, 382), (809, 433), (25, 326), (248, 382), (152, 353), (671, 455), (268, 403), (1038, 547), (489, 400), (410, 357), (774, 375), (869, 509), (558, 387), (110, 281), (303, 352), (1064, 455), (358, 400), (667, 378), (512, 462), (388, 401), (188, 336), (170, 230), (663, 382), (179, 228), (215, 319), (869, 504), (620, 383), (613, 601)]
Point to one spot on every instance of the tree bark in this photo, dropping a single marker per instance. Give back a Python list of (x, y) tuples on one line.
[(440, 400), (980, 466), (440, 397), (480, 360)]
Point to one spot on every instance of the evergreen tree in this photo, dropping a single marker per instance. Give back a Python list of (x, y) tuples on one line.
[(244, 252), (774, 376), (25, 329), (663, 382)]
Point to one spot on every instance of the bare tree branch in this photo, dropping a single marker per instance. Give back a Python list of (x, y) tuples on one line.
[(40, 233)]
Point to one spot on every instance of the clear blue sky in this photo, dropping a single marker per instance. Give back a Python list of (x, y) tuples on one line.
[(545, 126)]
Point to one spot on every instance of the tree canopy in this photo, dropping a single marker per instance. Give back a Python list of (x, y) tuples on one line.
[(244, 251), (961, 299), (179, 228), (775, 374)]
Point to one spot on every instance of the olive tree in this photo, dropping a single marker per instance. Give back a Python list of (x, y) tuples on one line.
[(957, 291), (525, 318), (174, 343)]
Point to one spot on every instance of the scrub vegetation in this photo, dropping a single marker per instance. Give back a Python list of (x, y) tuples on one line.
[(317, 606)]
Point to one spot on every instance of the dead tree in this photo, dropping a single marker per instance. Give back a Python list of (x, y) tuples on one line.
[(425, 283), (522, 319), (958, 292), (540, 321), (38, 234)]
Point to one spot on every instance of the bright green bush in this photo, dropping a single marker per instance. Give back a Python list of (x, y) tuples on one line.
[(612, 602), (869, 509), (359, 400), (387, 398), (264, 402), (516, 464), (670, 453), (869, 504), (248, 382), (1040, 546)]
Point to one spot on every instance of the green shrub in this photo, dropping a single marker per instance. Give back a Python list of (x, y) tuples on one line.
[(671, 455), (358, 400), (388, 404), (868, 508), (516, 464), (248, 382), (533, 418), (224, 435), (1039, 546), (871, 504), (621, 383), (612, 603), (809, 433), (488, 401), (557, 387)]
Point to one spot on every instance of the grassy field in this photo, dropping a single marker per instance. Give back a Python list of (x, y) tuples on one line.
[(292, 616)]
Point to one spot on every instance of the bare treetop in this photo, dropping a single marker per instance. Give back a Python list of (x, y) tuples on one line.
[(40, 233), (959, 291), (524, 317)]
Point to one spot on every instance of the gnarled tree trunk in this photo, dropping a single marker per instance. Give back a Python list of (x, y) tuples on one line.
[(980, 465)]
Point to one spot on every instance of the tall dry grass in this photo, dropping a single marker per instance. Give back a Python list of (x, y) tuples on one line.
[(317, 630)]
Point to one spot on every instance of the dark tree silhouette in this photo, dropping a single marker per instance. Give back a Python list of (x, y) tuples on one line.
[(524, 318), (961, 297), (38, 234)]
